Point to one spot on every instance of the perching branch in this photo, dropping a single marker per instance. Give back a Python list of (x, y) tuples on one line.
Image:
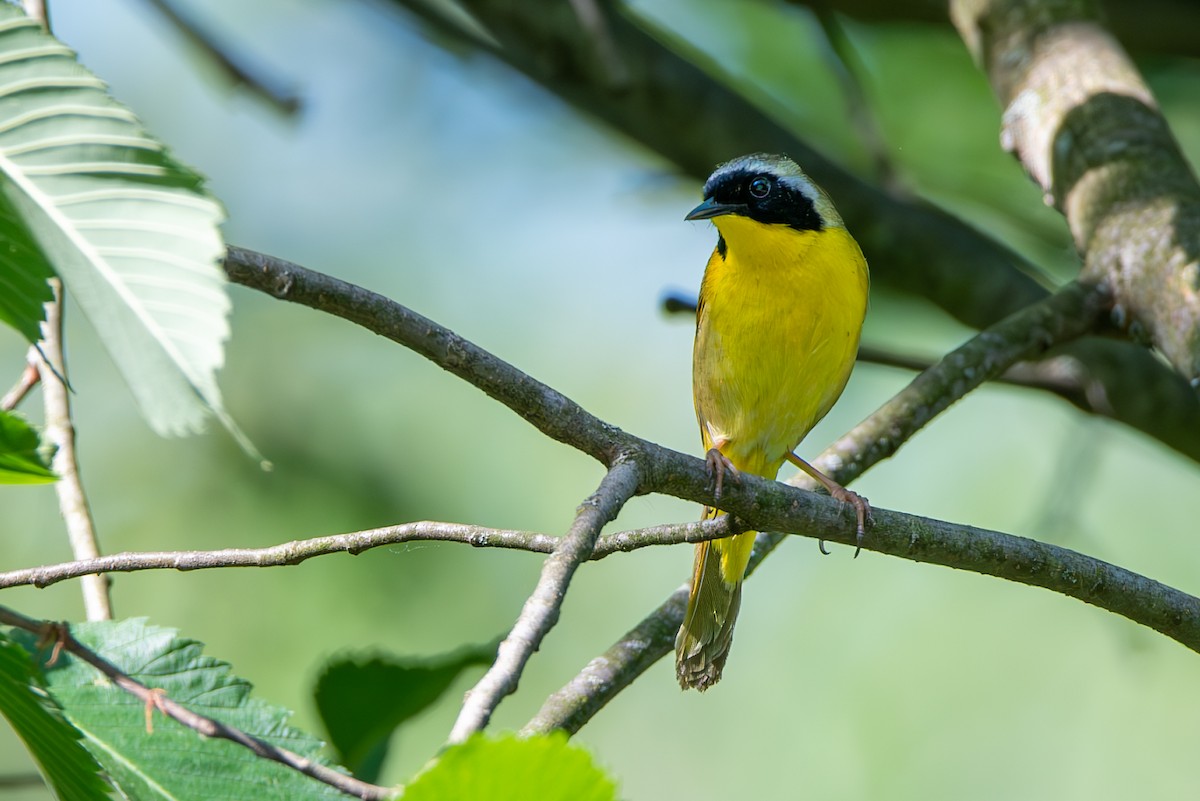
[(1142, 600), (60, 432), (641, 466), (289, 554), (208, 727), (1067, 314), (540, 612)]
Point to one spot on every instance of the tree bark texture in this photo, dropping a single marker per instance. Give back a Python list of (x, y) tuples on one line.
[(1087, 129)]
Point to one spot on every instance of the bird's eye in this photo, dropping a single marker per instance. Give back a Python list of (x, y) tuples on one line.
[(760, 187)]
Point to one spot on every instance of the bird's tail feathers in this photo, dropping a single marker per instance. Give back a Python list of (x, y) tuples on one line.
[(702, 644)]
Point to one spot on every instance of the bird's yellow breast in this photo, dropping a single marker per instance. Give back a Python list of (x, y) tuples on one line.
[(776, 337)]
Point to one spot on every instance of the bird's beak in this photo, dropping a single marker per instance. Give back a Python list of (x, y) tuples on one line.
[(711, 208)]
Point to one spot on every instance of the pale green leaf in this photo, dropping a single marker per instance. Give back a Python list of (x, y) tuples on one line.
[(68, 769), (547, 768), (132, 232), (22, 460), (174, 762)]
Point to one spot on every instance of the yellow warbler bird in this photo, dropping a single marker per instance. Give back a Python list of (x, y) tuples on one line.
[(781, 308)]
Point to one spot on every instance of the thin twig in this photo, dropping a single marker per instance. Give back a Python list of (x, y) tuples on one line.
[(60, 432), (205, 726), (239, 73), (541, 609), (28, 380), (18, 780), (293, 553), (284, 554)]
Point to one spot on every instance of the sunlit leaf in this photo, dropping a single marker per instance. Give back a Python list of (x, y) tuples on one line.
[(174, 762), (66, 766), (547, 768), (21, 455), (132, 232)]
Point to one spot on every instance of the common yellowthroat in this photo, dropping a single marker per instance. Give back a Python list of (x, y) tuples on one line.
[(781, 309)]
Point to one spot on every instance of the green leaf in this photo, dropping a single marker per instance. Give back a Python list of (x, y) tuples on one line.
[(66, 766), (363, 700), (510, 769), (175, 762), (131, 231), (23, 275), (21, 458)]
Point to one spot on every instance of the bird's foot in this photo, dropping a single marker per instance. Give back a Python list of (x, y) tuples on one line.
[(862, 510), (718, 465)]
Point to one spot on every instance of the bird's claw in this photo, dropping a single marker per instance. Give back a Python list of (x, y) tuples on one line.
[(718, 465), (862, 510)]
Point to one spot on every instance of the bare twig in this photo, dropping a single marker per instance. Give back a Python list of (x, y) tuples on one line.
[(234, 67), (19, 780), (288, 553), (541, 609), (293, 553), (28, 380), (60, 432), (205, 726), (601, 679)]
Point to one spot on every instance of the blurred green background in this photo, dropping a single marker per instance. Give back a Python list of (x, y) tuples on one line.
[(443, 180)]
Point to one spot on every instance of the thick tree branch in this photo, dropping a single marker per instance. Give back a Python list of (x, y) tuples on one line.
[(208, 727), (541, 609), (1086, 128), (695, 120)]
